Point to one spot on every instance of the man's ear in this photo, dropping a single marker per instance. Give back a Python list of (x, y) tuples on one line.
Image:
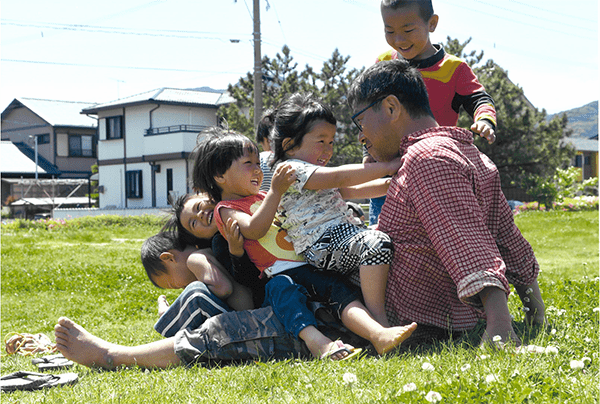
[(167, 257), (392, 107), (433, 22), (288, 146)]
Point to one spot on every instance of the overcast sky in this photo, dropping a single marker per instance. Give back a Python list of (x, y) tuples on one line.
[(101, 51)]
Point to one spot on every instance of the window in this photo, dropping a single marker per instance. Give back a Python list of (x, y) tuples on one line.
[(169, 181), (578, 161), (81, 146), (133, 184), (587, 160), (114, 127), (43, 139)]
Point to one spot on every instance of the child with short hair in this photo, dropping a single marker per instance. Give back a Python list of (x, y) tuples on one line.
[(209, 289), (450, 82), (314, 211), (226, 165)]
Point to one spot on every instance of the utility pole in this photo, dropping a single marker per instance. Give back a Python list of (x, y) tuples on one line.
[(257, 66)]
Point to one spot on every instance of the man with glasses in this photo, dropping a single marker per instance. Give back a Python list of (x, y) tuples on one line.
[(456, 247)]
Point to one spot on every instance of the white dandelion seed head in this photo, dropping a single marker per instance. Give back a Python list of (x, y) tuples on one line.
[(491, 378), (575, 364), (483, 357), (551, 350), (349, 378), (465, 367), (433, 397), (587, 340), (497, 338), (409, 387), (427, 366), (553, 331)]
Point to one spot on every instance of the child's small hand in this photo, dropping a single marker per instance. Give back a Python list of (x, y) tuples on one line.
[(283, 177), (484, 130), (234, 238)]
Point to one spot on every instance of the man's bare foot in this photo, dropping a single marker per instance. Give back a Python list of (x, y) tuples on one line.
[(500, 336), (163, 305), (78, 345), (390, 338)]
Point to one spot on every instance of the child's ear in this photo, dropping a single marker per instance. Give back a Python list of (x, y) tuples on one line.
[(219, 179), (433, 22), (288, 146)]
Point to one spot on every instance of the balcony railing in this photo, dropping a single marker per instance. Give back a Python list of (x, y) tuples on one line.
[(174, 129)]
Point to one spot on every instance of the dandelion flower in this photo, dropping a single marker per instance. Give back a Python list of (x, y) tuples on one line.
[(587, 340), (553, 331), (586, 360), (433, 397), (497, 338), (483, 357), (491, 378), (575, 364), (465, 367), (409, 387), (349, 378), (551, 350), (427, 366)]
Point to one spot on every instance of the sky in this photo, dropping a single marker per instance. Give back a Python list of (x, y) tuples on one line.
[(97, 52)]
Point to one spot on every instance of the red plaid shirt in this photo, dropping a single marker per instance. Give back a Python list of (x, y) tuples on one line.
[(453, 232)]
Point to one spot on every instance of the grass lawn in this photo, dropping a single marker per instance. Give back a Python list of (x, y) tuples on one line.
[(93, 275)]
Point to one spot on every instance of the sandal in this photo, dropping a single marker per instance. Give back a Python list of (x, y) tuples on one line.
[(352, 352), (52, 362), (35, 381)]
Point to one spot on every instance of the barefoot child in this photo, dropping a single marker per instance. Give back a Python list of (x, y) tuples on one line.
[(226, 165), (313, 210)]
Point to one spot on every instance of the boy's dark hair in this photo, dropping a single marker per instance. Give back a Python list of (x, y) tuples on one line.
[(153, 247), (263, 130), (215, 152), (174, 224), (425, 6), (391, 77), (295, 117)]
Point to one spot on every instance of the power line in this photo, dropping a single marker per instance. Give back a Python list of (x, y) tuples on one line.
[(537, 17), (519, 22), (125, 31), (553, 12), (117, 67)]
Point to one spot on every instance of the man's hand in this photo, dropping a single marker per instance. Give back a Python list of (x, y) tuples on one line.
[(484, 130)]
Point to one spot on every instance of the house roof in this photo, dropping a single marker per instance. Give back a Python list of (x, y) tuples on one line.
[(583, 144), (55, 112), (168, 96), (18, 159)]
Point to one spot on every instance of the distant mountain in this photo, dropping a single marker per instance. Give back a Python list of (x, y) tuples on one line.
[(583, 120), (211, 90)]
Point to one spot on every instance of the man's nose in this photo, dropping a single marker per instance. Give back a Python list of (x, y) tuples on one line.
[(361, 137)]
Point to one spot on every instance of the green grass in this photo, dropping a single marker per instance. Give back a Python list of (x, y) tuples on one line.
[(94, 276)]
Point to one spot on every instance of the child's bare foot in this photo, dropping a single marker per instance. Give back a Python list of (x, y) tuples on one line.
[(163, 305), (78, 345), (390, 338), (322, 347)]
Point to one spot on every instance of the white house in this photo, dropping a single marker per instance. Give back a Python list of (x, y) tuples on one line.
[(144, 142)]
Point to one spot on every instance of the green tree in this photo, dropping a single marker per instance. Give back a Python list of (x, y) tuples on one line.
[(281, 77), (528, 149)]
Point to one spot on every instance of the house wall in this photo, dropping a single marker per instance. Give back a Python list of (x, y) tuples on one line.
[(21, 123), (140, 151)]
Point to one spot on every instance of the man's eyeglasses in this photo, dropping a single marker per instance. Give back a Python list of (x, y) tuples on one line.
[(353, 117)]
